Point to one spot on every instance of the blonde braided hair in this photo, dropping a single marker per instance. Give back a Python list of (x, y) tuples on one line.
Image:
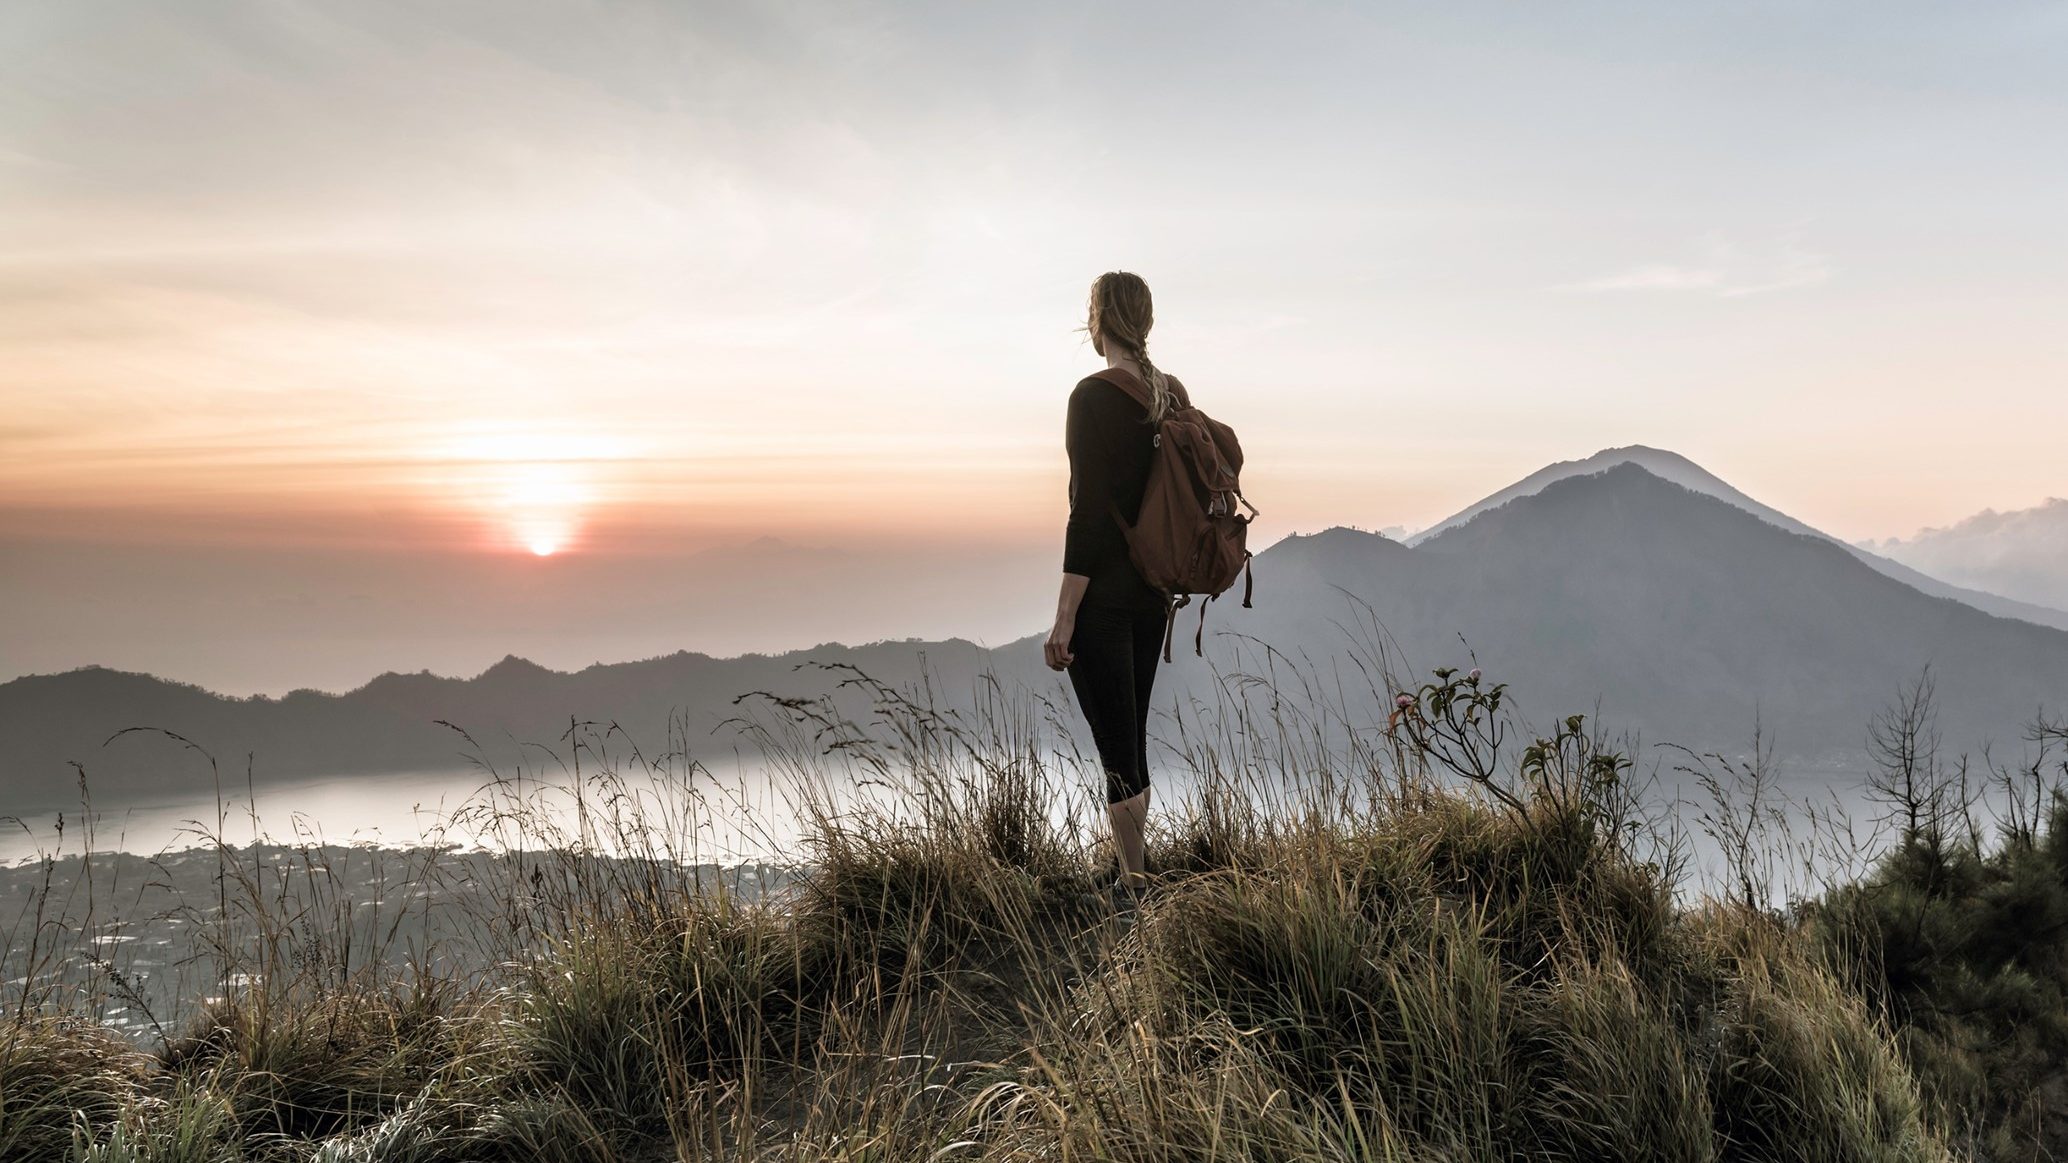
[(1122, 311)]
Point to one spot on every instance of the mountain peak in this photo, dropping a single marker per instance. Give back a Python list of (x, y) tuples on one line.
[(769, 549), (1672, 466), (1333, 548), (1611, 487), (1660, 462), (512, 666)]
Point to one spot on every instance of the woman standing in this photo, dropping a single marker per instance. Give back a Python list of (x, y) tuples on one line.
[(1109, 622)]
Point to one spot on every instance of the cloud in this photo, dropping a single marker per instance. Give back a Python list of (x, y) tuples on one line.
[(2021, 554), (1654, 278), (1726, 271)]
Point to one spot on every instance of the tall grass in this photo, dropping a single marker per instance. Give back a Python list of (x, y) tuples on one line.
[(1443, 936)]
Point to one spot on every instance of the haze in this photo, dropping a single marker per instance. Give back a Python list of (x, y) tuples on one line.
[(344, 337)]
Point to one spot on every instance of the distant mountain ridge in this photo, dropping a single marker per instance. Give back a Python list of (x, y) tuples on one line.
[(1684, 472), (1682, 616), (2022, 554), (391, 724)]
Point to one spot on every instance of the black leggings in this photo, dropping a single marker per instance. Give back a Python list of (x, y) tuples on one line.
[(1114, 652)]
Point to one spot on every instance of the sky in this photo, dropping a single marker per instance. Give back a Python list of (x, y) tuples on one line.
[(339, 336)]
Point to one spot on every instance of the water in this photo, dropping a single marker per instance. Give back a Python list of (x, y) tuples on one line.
[(727, 811)]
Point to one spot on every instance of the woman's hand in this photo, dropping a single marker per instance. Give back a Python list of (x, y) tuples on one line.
[(1056, 651)]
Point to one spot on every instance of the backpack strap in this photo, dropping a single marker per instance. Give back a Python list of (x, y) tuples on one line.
[(1127, 382), (1177, 388), (1138, 391)]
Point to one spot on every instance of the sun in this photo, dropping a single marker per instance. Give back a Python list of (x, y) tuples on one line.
[(535, 493), (542, 504)]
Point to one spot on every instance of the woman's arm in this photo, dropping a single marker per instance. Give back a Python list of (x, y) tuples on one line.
[(1091, 436), (1087, 434), (1056, 651)]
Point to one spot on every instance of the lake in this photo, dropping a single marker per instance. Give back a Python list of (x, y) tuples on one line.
[(728, 812)]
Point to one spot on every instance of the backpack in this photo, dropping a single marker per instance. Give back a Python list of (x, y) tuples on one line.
[(1187, 538)]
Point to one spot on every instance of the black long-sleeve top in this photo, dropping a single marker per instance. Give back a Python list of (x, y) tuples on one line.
[(1108, 437)]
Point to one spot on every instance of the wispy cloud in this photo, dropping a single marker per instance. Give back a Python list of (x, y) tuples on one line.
[(1726, 271), (2021, 554)]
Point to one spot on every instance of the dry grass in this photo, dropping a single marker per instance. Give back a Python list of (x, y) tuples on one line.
[(1417, 946)]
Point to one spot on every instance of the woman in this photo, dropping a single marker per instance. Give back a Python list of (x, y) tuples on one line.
[(1109, 622)]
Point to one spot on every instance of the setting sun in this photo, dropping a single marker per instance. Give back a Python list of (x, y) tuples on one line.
[(533, 492), (542, 503)]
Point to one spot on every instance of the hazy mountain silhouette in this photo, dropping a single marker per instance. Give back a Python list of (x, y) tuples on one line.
[(1684, 472), (1682, 614), (2022, 554), (390, 724)]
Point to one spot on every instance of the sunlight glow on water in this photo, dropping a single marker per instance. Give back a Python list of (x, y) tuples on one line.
[(728, 813), (724, 814)]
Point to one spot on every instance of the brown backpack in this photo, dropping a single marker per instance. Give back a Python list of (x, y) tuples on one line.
[(1188, 539)]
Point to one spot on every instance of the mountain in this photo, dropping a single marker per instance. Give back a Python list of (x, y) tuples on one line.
[(1683, 613), (1647, 605), (391, 724), (1684, 472), (2021, 554)]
